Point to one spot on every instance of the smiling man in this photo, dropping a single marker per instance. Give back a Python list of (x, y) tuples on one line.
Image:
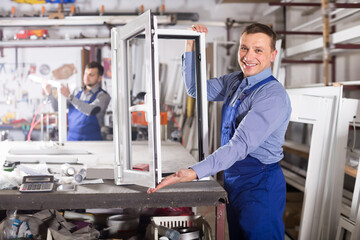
[(87, 106), (255, 117), (256, 53)]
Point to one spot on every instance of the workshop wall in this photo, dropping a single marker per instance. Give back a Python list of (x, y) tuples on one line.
[(19, 94), (20, 97), (346, 63)]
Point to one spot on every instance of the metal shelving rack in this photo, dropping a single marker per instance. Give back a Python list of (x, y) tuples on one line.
[(55, 42), (322, 50), (76, 21), (69, 21)]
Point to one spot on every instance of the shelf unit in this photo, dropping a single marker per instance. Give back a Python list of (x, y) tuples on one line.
[(77, 21), (294, 179), (55, 42), (70, 21), (351, 171), (296, 148), (323, 50), (303, 151)]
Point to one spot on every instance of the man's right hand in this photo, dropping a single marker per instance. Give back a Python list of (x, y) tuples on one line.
[(47, 89), (183, 175), (197, 28)]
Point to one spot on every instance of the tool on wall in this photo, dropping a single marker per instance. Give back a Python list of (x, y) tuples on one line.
[(59, 14), (12, 12), (102, 10), (42, 13)]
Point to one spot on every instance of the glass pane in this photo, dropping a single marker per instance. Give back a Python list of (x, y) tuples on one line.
[(178, 112), (140, 133)]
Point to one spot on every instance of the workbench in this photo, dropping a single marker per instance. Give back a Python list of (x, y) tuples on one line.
[(108, 195)]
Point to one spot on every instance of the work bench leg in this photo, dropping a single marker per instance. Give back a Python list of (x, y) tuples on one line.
[(220, 221)]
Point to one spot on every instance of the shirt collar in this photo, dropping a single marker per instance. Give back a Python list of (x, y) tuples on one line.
[(252, 80), (94, 89)]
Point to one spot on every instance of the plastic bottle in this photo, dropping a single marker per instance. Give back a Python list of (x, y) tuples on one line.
[(169, 233), (80, 176), (15, 228), (67, 170), (11, 225)]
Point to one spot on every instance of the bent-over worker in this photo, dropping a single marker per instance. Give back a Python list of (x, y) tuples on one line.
[(255, 117), (87, 106)]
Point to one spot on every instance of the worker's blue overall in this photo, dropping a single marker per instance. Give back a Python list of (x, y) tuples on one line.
[(82, 127), (256, 191)]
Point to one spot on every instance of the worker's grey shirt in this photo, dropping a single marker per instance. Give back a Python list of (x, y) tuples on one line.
[(98, 106)]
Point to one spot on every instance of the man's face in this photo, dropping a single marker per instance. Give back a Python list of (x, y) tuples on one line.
[(91, 77), (255, 53)]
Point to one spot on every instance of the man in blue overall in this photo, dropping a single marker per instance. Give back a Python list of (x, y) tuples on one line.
[(255, 117), (87, 106)]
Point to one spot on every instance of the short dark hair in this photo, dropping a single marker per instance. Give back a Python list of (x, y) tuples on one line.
[(96, 65), (261, 28)]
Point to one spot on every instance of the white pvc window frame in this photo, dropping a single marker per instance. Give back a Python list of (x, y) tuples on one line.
[(318, 111), (146, 25), (329, 206)]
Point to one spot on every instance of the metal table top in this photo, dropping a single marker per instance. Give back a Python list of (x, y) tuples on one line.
[(109, 195)]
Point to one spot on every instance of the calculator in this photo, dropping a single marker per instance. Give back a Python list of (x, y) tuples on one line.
[(43, 183)]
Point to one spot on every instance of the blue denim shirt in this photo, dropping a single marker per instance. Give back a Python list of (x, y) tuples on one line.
[(261, 121)]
